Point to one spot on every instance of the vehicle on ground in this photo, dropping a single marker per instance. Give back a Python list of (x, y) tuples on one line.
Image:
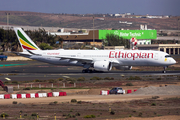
[(3, 57), (99, 60), (116, 90)]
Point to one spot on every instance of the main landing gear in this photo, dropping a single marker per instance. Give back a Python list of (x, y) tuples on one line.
[(165, 67), (87, 71), (91, 71)]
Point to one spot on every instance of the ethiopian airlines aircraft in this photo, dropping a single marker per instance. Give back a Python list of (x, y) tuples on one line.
[(100, 60)]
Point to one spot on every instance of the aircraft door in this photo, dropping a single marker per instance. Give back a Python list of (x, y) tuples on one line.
[(79, 55), (156, 56)]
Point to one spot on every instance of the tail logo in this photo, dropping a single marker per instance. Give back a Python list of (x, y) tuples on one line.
[(25, 43)]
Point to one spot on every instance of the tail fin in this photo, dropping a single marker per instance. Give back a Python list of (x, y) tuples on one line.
[(25, 41)]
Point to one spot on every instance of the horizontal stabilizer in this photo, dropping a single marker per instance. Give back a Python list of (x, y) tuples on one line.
[(33, 53)]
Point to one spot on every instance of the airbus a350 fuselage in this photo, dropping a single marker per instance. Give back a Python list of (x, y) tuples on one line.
[(100, 60)]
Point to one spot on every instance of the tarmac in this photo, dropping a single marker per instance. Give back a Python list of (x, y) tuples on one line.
[(31, 70)]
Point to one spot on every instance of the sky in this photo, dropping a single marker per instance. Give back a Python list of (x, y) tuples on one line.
[(138, 7)]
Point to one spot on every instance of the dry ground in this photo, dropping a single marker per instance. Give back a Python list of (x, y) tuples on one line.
[(144, 107), (125, 107)]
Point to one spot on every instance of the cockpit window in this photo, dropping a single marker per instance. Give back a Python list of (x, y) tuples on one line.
[(167, 56)]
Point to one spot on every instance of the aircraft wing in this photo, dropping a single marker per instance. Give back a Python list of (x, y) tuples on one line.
[(88, 60)]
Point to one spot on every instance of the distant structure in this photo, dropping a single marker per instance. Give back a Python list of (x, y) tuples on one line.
[(133, 43), (143, 27)]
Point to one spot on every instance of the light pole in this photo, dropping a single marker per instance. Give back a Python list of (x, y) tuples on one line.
[(93, 30), (178, 23), (8, 19), (178, 28)]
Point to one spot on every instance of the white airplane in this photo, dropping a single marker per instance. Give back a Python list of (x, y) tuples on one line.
[(100, 60)]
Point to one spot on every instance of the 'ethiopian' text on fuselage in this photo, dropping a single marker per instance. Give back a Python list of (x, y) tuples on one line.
[(134, 55)]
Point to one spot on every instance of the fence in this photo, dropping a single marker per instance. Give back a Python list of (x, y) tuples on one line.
[(46, 85), (67, 85), (32, 95)]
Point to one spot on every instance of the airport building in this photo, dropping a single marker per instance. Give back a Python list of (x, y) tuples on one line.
[(96, 36), (91, 38), (172, 49)]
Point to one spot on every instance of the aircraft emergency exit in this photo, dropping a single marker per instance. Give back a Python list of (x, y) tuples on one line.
[(100, 60)]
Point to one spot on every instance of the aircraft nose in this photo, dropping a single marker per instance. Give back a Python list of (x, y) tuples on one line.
[(173, 61)]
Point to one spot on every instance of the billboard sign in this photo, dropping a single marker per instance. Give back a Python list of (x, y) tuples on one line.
[(128, 34)]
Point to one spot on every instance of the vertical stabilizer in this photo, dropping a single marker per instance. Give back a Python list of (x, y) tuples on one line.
[(25, 41)]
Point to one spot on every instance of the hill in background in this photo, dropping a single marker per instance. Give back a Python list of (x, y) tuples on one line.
[(85, 21)]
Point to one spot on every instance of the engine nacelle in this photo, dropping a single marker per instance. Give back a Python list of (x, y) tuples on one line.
[(102, 65), (124, 67)]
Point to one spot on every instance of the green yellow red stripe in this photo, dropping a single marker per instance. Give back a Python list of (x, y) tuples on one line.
[(24, 41), (26, 44)]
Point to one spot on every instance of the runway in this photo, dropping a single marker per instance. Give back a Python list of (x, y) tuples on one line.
[(31, 70)]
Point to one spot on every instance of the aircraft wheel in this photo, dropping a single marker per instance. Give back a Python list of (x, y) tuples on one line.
[(83, 71), (165, 67), (89, 71)]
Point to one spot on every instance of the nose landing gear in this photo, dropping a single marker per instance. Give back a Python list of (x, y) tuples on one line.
[(165, 67)]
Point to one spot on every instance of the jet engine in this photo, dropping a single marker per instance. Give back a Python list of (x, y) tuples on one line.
[(124, 67), (102, 65)]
